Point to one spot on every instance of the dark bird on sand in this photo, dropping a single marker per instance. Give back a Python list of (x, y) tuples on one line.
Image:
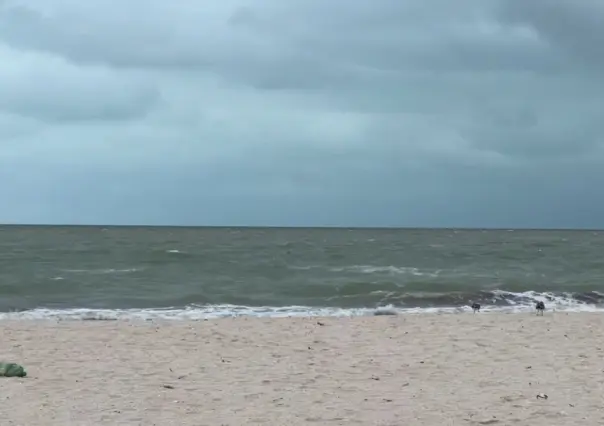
[(540, 306), (476, 307)]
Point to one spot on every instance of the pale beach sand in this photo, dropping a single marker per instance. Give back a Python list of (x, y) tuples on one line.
[(465, 369)]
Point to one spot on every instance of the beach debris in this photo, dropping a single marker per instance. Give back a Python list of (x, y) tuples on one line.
[(476, 307), (542, 396), (540, 307), (381, 311), (508, 398), (320, 323), (11, 369), (168, 386), (99, 318), (375, 378), (387, 400)]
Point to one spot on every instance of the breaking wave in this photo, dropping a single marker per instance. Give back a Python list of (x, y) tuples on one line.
[(496, 301)]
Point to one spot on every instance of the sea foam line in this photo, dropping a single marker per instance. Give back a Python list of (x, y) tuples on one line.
[(226, 311)]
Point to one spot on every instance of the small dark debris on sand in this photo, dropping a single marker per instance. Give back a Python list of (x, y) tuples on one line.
[(381, 312), (99, 319)]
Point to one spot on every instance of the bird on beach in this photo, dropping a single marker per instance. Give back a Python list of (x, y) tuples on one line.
[(476, 307), (540, 306)]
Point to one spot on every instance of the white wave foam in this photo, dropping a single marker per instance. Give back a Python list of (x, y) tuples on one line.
[(173, 251), (394, 270), (561, 302), (188, 313), (102, 271), (553, 303), (303, 268)]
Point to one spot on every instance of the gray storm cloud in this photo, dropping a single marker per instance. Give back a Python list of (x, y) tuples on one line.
[(51, 88), (384, 113)]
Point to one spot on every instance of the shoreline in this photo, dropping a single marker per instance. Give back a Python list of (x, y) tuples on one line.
[(178, 315), (421, 369), (401, 317)]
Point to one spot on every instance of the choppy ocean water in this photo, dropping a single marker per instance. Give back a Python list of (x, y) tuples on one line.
[(195, 273)]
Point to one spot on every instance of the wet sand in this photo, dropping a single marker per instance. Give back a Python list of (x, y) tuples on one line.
[(465, 369)]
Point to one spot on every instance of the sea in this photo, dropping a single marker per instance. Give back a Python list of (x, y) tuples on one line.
[(89, 272)]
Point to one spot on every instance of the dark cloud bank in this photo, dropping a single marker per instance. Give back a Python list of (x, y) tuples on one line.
[(343, 113)]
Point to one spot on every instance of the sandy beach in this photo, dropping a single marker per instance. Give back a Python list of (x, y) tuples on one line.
[(465, 369)]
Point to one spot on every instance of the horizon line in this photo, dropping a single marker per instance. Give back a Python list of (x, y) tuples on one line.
[(331, 227)]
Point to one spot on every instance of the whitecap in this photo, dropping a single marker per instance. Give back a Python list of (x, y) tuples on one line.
[(102, 271), (393, 270)]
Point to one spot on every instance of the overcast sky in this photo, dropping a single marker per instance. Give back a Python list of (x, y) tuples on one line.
[(302, 112)]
